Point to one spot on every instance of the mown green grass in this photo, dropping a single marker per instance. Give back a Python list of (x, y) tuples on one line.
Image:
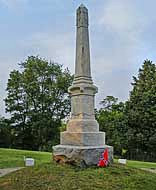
[(139, 164), (15, 158), (47, 175)]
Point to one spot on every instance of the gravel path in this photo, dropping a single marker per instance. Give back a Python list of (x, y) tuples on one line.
[(6, 171), (153, 170)]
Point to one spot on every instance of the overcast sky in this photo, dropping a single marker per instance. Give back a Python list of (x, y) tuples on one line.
[(122, 35)]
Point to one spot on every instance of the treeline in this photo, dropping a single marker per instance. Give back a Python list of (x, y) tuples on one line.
[(37, 101), (131, 126)]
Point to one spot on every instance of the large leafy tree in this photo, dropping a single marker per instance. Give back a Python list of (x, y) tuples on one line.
[(37, 100), (141, 110), (111, 120)]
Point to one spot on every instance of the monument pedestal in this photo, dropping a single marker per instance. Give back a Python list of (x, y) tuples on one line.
[(81, 145), (82, 156)]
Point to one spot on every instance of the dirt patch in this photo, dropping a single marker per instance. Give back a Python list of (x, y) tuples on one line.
[(153, 170), (6, 171)]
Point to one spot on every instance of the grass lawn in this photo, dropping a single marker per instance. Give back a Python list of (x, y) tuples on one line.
[(48, 175), (139, 164), (15, 158)]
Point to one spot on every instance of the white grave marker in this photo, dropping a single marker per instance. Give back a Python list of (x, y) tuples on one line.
[(122, 161), (29, 162)]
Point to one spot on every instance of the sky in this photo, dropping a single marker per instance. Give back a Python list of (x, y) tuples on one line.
[(122, 36)]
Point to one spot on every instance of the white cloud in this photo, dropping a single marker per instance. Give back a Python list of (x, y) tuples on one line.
[(125, 21), (116, 61), (57, 47), (122, 16)]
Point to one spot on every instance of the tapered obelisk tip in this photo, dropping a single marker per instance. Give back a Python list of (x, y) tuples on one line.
[(82, 68), (82, 16), (82, 5)]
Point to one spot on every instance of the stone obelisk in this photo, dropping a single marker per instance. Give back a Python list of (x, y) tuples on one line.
[(82, 143)]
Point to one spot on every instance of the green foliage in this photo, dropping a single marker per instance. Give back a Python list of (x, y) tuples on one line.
[(111, 121), (109, 103), (141, 110), (5, 133), (132, 125), (37, 100)]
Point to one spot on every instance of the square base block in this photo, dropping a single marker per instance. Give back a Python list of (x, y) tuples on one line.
[(81, 156), (83, 139)]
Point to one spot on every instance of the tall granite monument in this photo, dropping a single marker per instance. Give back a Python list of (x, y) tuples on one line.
[(82, 144)]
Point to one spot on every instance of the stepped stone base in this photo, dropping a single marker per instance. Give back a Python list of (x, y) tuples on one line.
[(81, 156)]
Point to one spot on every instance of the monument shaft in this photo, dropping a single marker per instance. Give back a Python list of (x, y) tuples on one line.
[(82, 68), (82, 142), (82, 91)]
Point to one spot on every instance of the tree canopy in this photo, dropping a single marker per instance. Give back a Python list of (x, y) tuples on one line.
[(37, 100), (111, 120), (141, 109), (132, 125)]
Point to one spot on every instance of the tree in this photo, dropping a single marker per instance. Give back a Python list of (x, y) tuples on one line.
[(141, 110), (111, 121), (5, 133), (37, 100), (109, 102)]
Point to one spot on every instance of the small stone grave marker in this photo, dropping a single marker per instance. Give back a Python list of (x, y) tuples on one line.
[(29, 162), (122, 161)]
